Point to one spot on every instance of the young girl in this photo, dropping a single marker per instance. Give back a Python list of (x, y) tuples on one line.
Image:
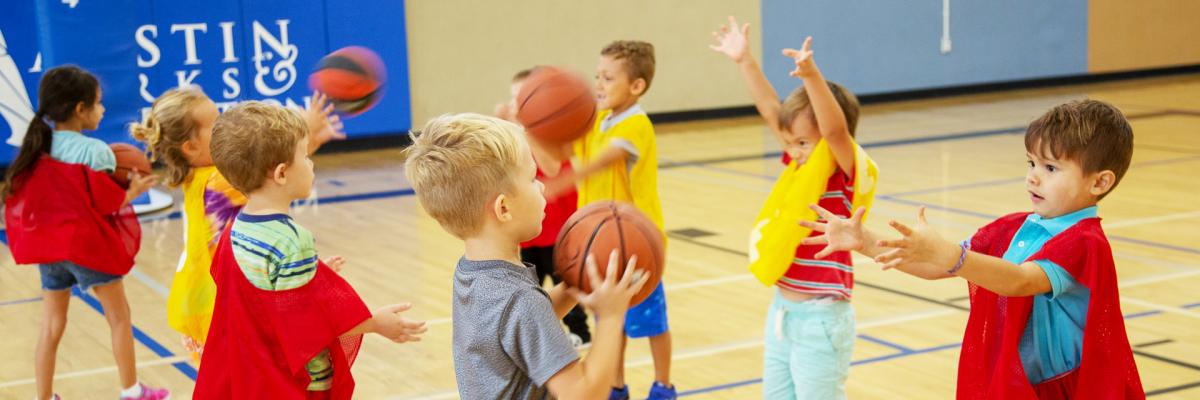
[(177, 131), (67, 215)]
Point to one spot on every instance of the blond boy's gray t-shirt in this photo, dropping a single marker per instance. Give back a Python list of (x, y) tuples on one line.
[(507, 340)]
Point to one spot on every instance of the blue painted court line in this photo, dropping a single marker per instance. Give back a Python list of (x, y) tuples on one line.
[(872, 339), (138, 334), (904, 352), (20, 301)]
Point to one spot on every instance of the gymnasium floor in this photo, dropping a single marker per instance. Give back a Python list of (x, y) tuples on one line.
[(962, 157)]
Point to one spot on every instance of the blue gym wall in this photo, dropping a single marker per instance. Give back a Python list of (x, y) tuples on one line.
[(117, 40), (894, 46)]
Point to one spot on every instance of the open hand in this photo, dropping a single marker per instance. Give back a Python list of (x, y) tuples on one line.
[(841, 234), (398, 329), (921, 246), (610, 296), (803, 59), (732, 41)]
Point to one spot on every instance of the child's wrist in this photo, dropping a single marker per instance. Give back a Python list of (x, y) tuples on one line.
[(961, 259)]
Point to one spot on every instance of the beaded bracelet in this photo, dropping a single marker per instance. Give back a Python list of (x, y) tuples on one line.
[(961, 258)]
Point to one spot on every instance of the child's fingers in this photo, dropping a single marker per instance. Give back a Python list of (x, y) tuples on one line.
[(892, 243), (814, 240), (397, 308), (889, 256), (921, 216), (630, 271), (825, 252), (592, 271), (746, 29), (858, 215), (899, 227), (807, 45), (825, 214), (813, 225), (610, 276), (790, 52), (733, 22)]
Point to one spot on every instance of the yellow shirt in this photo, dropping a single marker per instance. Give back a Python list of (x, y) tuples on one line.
[(634, 181)]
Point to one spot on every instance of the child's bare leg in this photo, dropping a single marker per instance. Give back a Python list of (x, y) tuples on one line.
[(116, 311), (54, 322), (620, 379), (660, 350)]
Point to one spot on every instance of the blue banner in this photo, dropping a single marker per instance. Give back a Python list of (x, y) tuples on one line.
[(234, 49)]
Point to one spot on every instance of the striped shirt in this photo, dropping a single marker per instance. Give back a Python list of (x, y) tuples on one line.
[(832, 275), (275, 253)]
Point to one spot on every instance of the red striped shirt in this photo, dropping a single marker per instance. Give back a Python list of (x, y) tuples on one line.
[(558, 210), (832, 275)]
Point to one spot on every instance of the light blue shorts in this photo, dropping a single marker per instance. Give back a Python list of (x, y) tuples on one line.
[(807, 349)]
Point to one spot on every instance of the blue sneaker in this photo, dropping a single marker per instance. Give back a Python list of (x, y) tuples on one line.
[(661, 392), (621, 393)]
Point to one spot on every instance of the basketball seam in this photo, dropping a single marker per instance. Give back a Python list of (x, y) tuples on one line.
[(587, 250), (570, 104)]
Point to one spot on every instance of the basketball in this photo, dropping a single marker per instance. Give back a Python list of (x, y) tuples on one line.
[(129, 159), (353, 78), (598, 229), (556, 105)]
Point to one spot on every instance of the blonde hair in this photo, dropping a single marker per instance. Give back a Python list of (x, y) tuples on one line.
[(638, 57), (251, 139), (459, 162), (167, 126), (798, 103)]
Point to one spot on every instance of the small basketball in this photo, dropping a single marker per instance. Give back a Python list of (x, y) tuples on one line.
[(598, 229), (353, 78), (129, 159), (556, 105)]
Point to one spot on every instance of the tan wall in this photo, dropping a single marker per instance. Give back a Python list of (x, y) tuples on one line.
[(1127, 35), (463, 53)]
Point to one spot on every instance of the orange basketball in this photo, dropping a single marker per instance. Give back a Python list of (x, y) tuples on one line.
[(598, 229), (129, 159), (556, 105)]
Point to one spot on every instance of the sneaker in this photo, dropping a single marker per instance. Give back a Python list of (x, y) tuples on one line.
[(621, 393), (661, 392), (149, 393)]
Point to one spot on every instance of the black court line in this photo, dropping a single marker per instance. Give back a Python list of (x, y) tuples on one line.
[(1168, 360), (1154, 343), (856, 281), (1171, 389)]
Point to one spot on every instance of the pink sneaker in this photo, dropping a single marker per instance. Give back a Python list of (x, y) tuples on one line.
[(149, 393)]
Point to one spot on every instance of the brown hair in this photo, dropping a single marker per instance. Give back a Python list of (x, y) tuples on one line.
[(798, 103), (1092, 132), (167, 126), (60, 90), (638, 57), (458, 163), (522, 74), (251, 139)]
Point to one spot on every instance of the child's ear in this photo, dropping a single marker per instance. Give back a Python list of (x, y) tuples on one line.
[(279, 174), (80, 108), (500, 208), (638, 86), (191, 148), (1102, 182)]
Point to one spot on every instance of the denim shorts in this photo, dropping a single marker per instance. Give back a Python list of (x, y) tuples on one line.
[(64, 274)]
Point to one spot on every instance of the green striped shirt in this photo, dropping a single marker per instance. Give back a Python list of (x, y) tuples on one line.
[(275, 253)]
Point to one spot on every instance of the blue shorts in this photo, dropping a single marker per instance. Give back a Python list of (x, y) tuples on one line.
[(64, 274), (648, 318)]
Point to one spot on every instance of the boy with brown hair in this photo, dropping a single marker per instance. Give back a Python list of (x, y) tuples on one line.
[(476, 176), (619, 160), (285, 325), (1045, 317)]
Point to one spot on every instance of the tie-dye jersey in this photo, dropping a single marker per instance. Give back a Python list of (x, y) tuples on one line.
[(210, 203)]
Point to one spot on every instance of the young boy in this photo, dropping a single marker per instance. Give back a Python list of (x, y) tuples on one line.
[(551, 160), (809, 334), (475, 175), (1045, 317), (620, 163), (285, 325)]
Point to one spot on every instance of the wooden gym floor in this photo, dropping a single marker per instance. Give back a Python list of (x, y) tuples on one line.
[(962, 157)]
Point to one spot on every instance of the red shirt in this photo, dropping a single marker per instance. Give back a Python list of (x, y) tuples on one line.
[(832, 275), (557, 211)]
